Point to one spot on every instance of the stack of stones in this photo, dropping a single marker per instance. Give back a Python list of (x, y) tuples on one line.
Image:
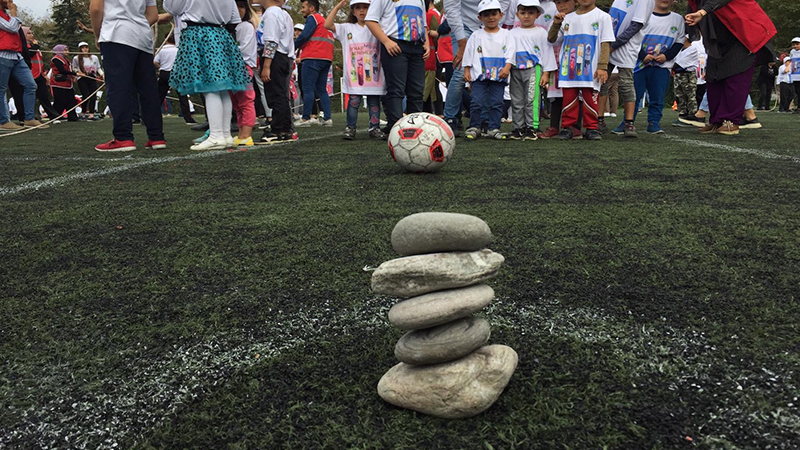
[(446, 368)]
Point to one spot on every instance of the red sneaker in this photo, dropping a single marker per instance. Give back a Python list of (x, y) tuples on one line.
[(549, 133), (155, 145), (116, 146)]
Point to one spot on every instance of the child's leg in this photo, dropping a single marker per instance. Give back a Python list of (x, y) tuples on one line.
[(680, 93), (374, 107), (589, 108), (214, 113), (244, 103), (479, 93), (395, 70), (494, 101), (640, 86), (691, 93), (657, 85), (555, 112), (227, 113), (415, 77), (534, 109), (519, 97), (353, 104), (569, 110)]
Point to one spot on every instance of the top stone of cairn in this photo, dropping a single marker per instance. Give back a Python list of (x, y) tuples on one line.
[(434, 232)]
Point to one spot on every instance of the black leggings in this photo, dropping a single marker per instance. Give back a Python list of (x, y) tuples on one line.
[(87, 87), (64, 99)]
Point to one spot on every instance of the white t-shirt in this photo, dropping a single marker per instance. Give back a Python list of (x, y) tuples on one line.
[(660, 34), (403, 20), (246, 40), (124, 23), (277, 26), (166, 57), (795, 55), (702, 56), (204, 11), (545, 20), (487, 54), (532, 49), (623, 13), (362, 60), (784, 74), (580, 51), (91, 65), (688, 58)]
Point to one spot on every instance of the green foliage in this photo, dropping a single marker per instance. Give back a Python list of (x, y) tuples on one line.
[(65, 15)]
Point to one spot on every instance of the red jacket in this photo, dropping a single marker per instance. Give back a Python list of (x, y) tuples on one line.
[(9, 41), (747, 21)]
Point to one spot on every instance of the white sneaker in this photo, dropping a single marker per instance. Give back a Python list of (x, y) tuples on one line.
[(231, 142), (210, 144), (383, 123), (302, 123), (298, 116), (327, 123)]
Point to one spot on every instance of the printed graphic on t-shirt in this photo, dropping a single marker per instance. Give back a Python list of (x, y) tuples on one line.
[(364, 65), (410, 23), (618, 16), (528, 60), (576, 57), (796, 67), (655, 45)]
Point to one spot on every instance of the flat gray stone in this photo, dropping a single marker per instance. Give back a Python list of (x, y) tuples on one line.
[(452, 390), (434, 232), (436, 308), (444, 342), (420, 274)]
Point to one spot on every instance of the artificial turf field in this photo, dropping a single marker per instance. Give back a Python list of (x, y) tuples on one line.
[(174, 299)]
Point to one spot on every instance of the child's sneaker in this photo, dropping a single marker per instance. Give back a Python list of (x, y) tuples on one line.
[(485, 131), (203, 137), (377, 133), (497, 135), (593, 135), (630, 131), (531, 134), (243, 142), (303, 123), (268, 136), (210, 144), (472, 133), (455, 125), (566, 134), (326, 123), (654, 128), (549, 133), (517, 134), (601, 126), (620, 130), (349, 133)]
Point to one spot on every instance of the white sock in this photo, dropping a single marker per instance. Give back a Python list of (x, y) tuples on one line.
[(227, 112), (215, 112)]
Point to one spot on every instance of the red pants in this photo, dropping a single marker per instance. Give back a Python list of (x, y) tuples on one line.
[(569, 115)]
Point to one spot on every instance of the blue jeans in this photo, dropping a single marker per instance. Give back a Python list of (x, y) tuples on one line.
[(130, 70), (22, 73), (453, 102), (405, 78), (487, 101), (315, 78), (655, 81), (373, 106)]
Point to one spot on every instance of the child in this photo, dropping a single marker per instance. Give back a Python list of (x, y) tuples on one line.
[(531, 71), (89, 71), (685, 81), (122, 29), (362, 67), (587, 34), (629, 17), (164, 61), (785, 83), (275, 35), (488, 58), (554, 93), (209, 62), (244, 102), (400, 26), (663, 39), (795, 55)]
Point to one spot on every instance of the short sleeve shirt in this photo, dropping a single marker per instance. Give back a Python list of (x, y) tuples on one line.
[(580, 50), (623, 13), (795, 55), (124, 23), (362, 63), (533, 48), (487, 54), (276, 26), (660, 34), (403, 20)]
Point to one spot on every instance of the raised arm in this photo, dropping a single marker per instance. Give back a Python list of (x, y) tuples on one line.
[(330, 21)]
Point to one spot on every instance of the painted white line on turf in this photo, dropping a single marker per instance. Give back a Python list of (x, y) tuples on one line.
[(70, 158), (730, 148), (94, 173)]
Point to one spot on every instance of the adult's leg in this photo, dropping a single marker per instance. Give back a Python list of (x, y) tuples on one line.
[(43, 94), (6, 65), (395, 69), (310, 72), (321, 87), (715, 90), (22, 73), (455, 88), (119, 61), (763, 92), (736, 91), (415, 77), (144, 79), (18, 94), (88, 97)]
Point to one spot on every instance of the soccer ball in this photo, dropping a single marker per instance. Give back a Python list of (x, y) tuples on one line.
[(421, 142)]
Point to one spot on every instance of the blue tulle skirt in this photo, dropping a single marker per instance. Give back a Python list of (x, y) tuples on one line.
[(208, 61)]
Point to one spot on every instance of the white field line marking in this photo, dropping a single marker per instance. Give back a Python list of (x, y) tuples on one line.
[(71, 158), (118, 412), (93, 173), (730, 148)]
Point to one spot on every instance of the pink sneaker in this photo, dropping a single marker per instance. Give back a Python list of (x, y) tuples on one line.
[(116, 146), (155, 145)]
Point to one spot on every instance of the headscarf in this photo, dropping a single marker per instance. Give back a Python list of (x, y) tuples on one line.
[(60, 49)]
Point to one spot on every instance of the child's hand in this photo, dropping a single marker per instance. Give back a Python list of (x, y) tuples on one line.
[(342, 4), (467, 75), (601, 76), (647, 59), (392, 48), (504, 73), (661, 59), (559, 18), (265, 74), (427, 48), (545, 79)]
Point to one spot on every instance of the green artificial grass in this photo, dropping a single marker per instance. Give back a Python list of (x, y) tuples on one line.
[(222, 300)]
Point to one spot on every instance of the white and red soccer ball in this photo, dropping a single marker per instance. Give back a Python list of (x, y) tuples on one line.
[(421, 142)]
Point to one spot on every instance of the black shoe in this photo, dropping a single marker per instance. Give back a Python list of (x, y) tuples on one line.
[(566, 135), (593, 135), (191, 121), (376, 133), (200, 127), (531, 134), (455, 125), (749, 124), (517, 135), (268, 136)]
